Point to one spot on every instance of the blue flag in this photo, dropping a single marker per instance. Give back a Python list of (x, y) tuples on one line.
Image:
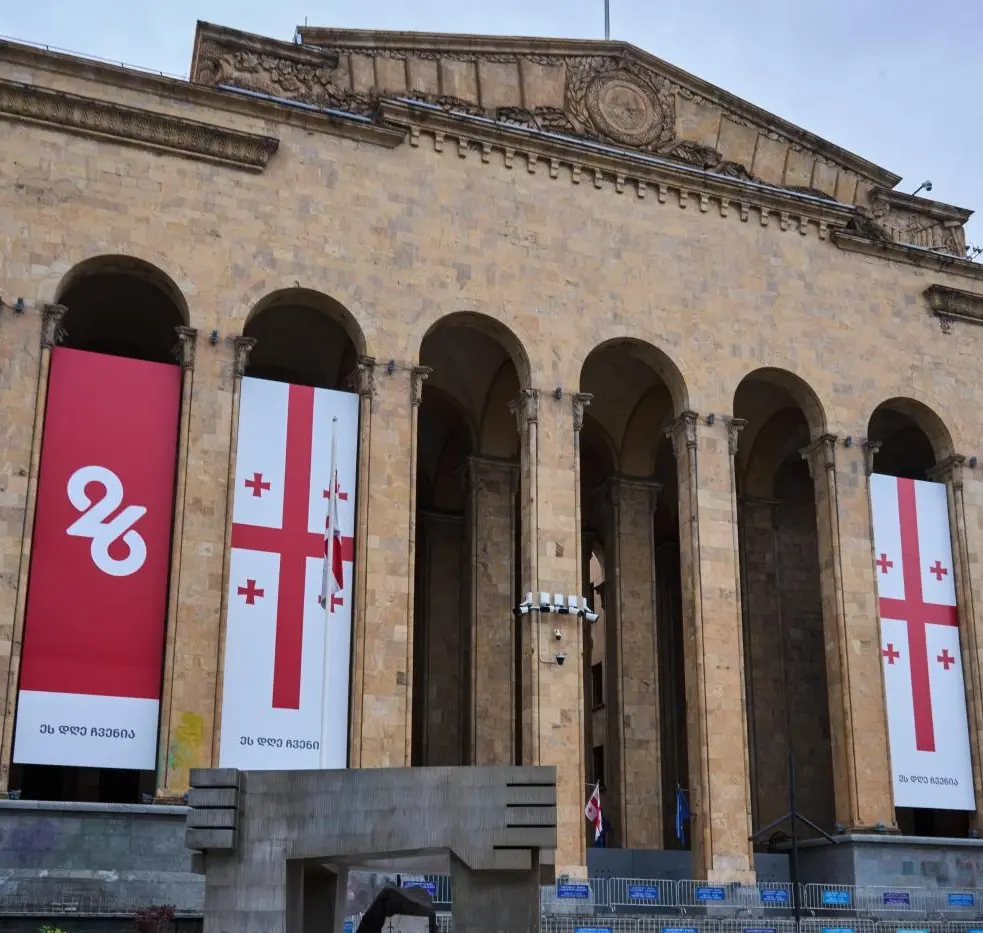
[(682, 814)]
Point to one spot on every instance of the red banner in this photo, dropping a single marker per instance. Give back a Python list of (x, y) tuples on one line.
[(97, 597)]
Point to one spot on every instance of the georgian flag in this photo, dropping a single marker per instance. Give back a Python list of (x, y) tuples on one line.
[(592, 812), (333, 576)]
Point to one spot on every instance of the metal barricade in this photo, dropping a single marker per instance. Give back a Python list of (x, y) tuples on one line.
[(757, 925), (644, 895), (964, 926), (554, 924), (836, 925), (830, 899), (957, 904), (885, 902), (437, 886), (768, 898), (571, 897), (677, 925), (910, 926), (708, 898)]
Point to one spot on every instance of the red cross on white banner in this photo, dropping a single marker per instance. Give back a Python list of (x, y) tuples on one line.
[(924, 687), (294, 544), (286, 671), (917, 613)]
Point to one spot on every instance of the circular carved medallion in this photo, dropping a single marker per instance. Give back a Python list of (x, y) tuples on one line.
[(621, 109)]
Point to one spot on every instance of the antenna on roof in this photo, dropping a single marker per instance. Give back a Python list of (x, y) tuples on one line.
[(607, 19)]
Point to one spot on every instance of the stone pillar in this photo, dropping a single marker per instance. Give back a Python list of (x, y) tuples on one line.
[(491, 489), (363, 382), (182, 736), (858, 723), (552, 693), (714, 653), (635, 662), (22, 433), (185, 353), (382, 707), (965, 522)]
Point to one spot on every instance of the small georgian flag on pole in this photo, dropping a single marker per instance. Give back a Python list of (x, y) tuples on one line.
[(592, 812), (333, 577)]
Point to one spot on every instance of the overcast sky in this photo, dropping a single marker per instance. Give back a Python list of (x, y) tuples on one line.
[(899, 82)]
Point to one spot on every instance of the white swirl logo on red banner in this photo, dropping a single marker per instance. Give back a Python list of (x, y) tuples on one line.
[(93, 522)]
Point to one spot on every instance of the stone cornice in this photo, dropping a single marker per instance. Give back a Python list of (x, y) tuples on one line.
[(151, 129), (913, 255), (950, 304), (371, 41), (935, 210), (618, 169), (208, 98)]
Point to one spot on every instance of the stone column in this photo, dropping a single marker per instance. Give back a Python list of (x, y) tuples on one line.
[(858, 723), (552, 693), (714, 652), (363, 382), (180, 758), (491, 489), (382, 708), (965, 522), (636, 662), (185, 354), (22, 484)]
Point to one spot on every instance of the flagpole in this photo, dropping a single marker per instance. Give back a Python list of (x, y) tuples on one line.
[(607, 19), (326, 592)]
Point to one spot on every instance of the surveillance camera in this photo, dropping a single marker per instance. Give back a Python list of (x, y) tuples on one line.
[(557, 634), (544, 603), (560, 658), (590, 616)]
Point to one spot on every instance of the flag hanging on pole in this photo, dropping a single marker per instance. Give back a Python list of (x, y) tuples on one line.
[(682, 815), (333, 576), (592, 812)]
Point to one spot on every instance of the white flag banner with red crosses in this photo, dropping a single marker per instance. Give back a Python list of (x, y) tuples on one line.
[(923, 675), (276, 663)]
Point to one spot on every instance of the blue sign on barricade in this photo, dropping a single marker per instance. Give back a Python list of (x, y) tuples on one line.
[(679, 930), (896, 899), (593, 930), (429, 886), (836, 898), (773, 895), (643, 892), (838, 930), (961, 899), (579, 891), (711, 894)]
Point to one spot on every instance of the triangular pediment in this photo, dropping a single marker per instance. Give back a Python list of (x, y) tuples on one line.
[(610, 92)]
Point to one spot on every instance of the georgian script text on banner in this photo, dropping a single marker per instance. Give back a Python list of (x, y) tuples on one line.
[(97, 597), (923, 676), (274, 670)]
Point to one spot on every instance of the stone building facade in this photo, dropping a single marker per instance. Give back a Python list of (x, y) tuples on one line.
[(615, 332)]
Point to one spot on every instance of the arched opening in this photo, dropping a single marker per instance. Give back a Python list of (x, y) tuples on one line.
[(781, 600), (119, 306), (304, 338), (629, 508), (466, 685), (909, 439)]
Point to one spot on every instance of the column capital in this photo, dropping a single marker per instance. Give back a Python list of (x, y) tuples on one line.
[(820, 453), (734, 428), (362, 379), (580, 402), (184, 352), (614, 485), (52, 333), (870, 451), (682, 433), (418, 375), (243, 347), (949, 470), (525, 407)]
